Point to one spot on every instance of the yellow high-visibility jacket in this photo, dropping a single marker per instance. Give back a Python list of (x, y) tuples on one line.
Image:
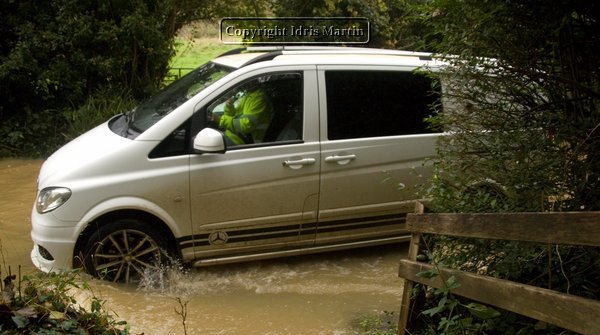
[(247, 121)]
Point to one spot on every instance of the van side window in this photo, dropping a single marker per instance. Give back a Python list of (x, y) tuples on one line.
[(377, 103), (265, 109)]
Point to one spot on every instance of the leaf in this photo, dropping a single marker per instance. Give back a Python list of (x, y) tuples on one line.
[(482, 311), (451, 283), (466, 322), (20, 321), (433, 311), (69, 324), (27, 312), (56, 315), (446, 323), (442, 301), (432, 273)]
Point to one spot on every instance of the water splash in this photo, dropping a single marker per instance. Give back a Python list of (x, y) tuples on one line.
[(304, 276)]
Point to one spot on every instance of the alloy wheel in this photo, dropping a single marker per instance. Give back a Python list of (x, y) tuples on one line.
[(123, 255)]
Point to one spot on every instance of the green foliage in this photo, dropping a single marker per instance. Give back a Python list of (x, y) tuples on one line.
[(32, 134), (447, 314), (384, 323), (525, 130), (55, 54), (394, 24), (39, 134), (44, 304), (458, 316), (524, 136), (241, 8), (96, 110), (442, 312), (530, 119)]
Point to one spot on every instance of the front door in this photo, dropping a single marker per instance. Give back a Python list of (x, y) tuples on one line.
[(261, 194)]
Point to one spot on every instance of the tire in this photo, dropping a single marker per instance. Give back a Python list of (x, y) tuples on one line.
[(120, 251)]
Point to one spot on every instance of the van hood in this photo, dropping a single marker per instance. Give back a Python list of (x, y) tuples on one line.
[(80, 156)]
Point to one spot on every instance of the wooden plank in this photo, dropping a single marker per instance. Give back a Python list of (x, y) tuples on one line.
[(563, 310), (413, 251), (576, 228)]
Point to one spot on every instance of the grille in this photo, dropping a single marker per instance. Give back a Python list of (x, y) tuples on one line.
[(45, 253)]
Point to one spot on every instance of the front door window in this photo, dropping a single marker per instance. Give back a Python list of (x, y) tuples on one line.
[(263, 110)]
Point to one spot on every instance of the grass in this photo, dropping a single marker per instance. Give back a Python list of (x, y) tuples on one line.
[(195, 45), (191, 53)]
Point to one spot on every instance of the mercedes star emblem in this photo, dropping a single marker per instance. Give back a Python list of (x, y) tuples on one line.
[(218, 238)]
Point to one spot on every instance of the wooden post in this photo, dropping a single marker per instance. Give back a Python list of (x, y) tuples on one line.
[(413, 251)]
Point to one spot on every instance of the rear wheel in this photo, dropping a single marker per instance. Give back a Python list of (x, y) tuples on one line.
[(122, 250)]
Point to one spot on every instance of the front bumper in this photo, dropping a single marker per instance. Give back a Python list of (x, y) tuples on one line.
[(57, 239)]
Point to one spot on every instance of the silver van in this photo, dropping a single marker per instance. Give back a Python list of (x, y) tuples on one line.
[(260, 153)]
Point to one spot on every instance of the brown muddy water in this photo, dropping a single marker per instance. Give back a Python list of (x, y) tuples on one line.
[(317, 294)]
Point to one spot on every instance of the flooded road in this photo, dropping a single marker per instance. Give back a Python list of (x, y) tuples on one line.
[(317, 294), (17, 194)]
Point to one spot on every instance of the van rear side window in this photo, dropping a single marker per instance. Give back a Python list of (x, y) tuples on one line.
[(377, 103)]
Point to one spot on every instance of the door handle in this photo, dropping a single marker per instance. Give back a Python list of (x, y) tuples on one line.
[(340, 159), (298, 163)]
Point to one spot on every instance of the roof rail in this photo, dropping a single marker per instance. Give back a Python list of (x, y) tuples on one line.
[(340, 49), (270, 52), (232, 52), (265, 57)]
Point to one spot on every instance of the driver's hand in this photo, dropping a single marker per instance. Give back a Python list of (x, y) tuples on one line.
[(212, 117), (229, 102), (229, 108)]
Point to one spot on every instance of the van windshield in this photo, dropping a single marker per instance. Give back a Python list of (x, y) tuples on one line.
[(156, 107)]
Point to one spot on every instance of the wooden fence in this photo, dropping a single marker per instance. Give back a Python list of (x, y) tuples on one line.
[(574, 228), (176, 73)]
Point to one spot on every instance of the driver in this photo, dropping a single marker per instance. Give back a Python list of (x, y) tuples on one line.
[(245, 119)]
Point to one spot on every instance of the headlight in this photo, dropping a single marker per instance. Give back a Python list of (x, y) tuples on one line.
[(51, 198)]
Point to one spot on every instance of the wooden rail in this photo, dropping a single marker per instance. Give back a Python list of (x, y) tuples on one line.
[(175, 73), (574, 228)]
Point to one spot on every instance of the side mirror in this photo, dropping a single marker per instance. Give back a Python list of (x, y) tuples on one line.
[(210, 140)]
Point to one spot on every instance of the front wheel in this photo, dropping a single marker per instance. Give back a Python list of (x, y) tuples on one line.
[(122, 250)]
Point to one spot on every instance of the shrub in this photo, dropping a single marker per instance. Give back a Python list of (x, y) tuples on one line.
[(525, 136), (106, 103), (44, 304), (55, 54)]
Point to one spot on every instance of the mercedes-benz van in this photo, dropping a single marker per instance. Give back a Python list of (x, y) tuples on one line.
[(257, 154)]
